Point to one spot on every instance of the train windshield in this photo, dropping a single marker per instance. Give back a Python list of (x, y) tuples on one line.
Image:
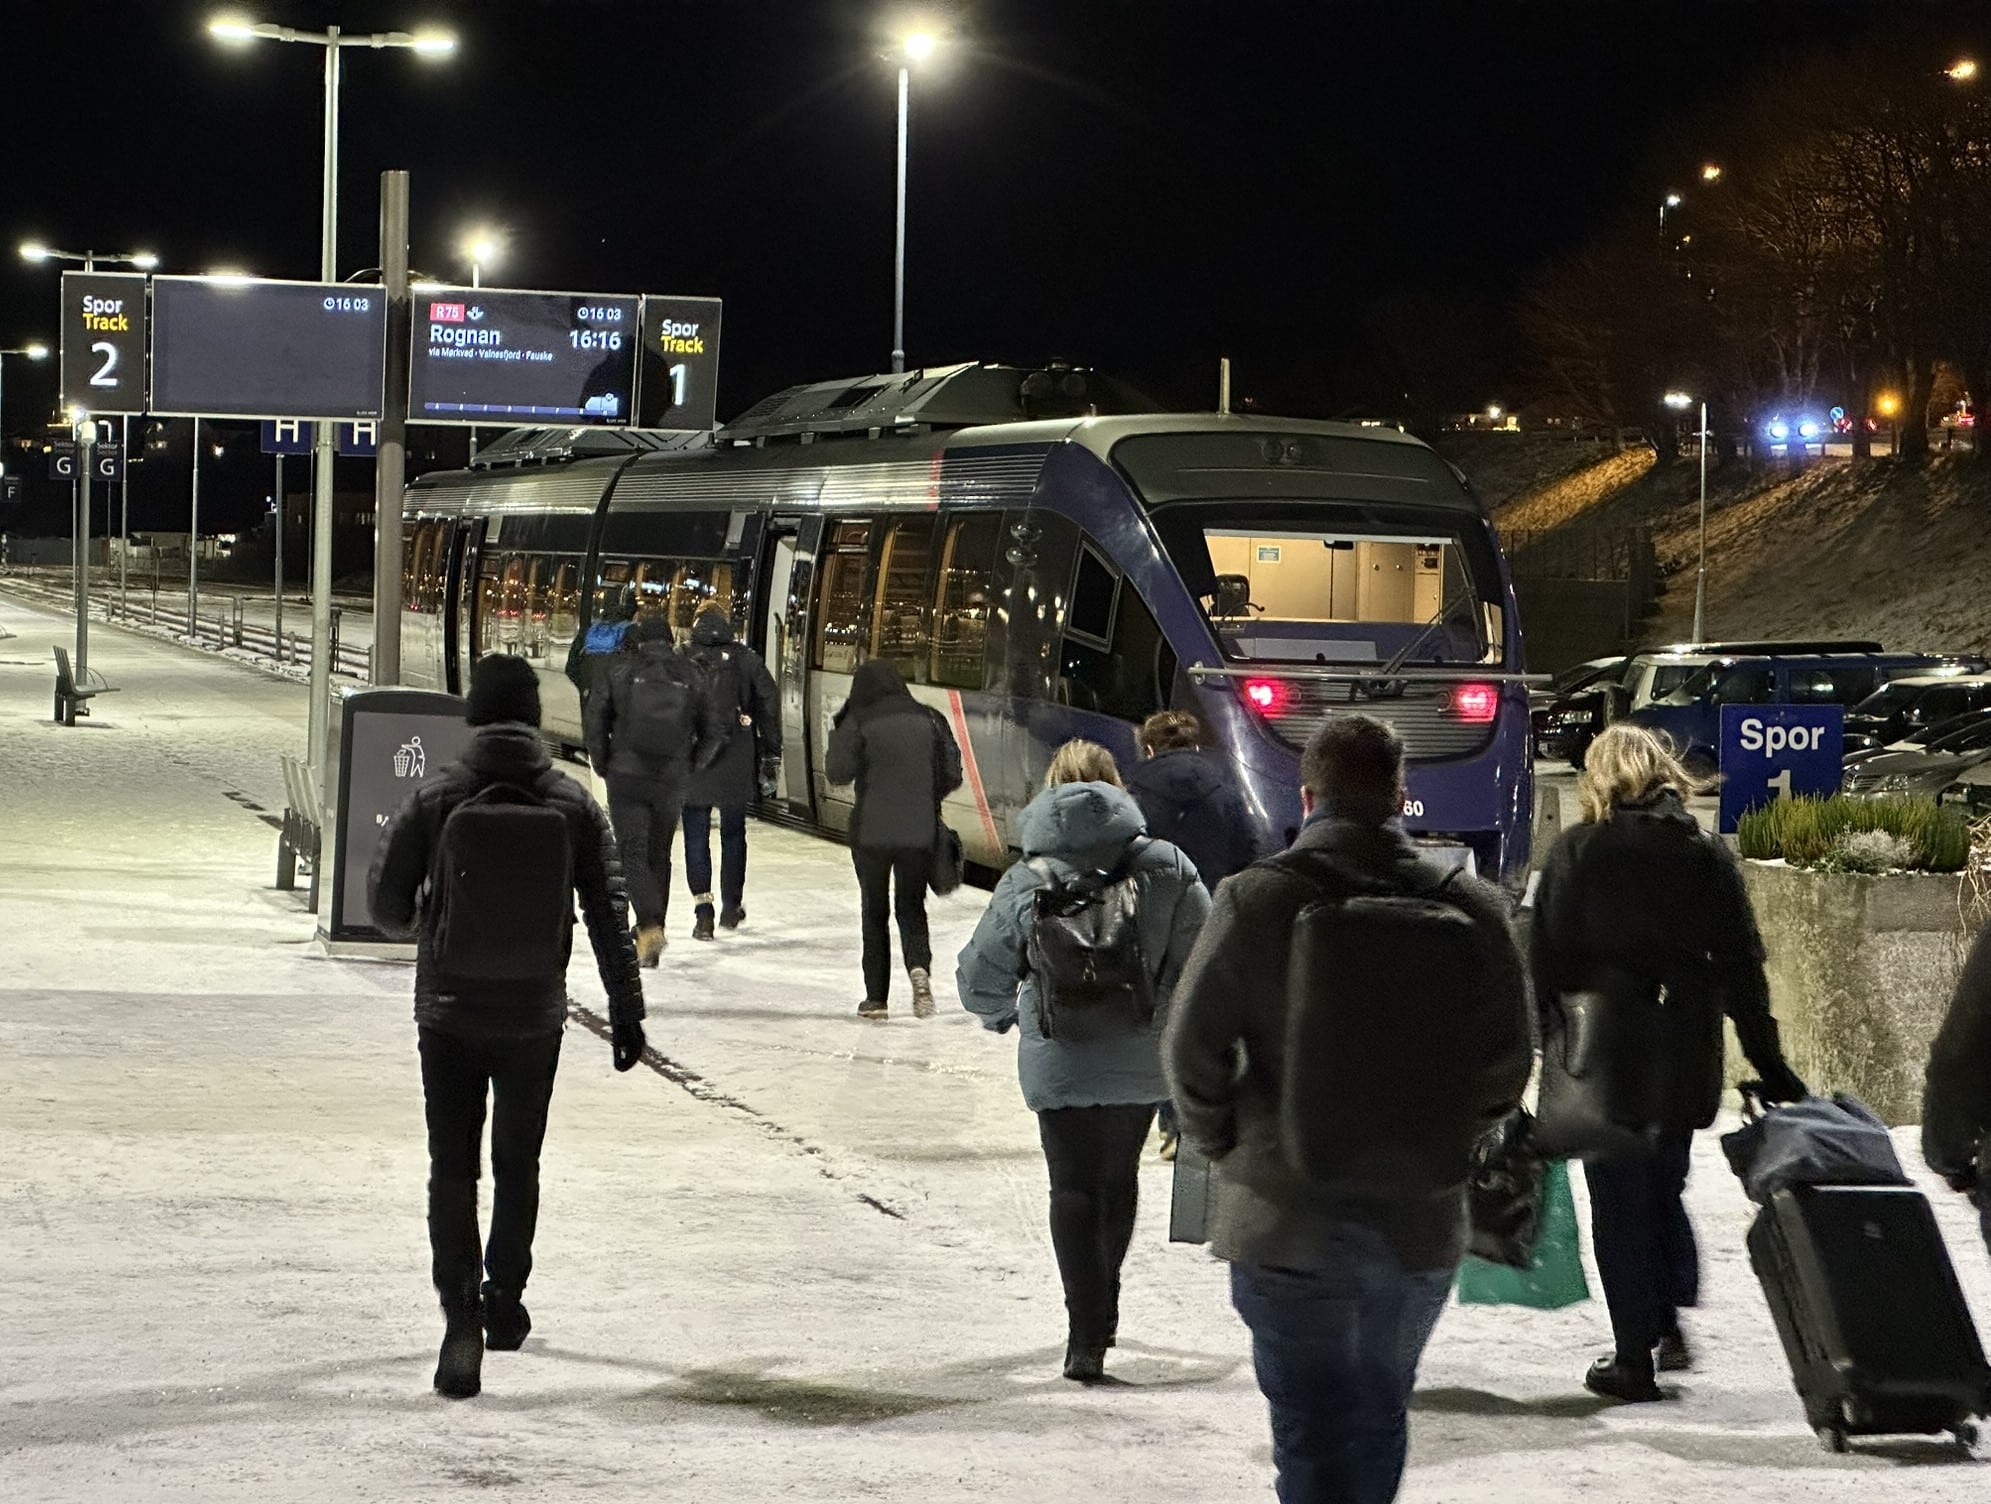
[(1309, 583)]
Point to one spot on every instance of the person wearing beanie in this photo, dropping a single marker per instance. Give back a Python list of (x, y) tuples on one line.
[(749, 717), (651, 723), (480, 867)]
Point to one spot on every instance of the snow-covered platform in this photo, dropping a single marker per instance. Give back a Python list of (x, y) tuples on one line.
[(809, 1262)]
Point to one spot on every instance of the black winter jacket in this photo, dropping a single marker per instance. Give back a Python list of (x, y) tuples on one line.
[(1956, 1111), (618, 762), (1190, 801), (397, 890), (1647, 897), (1225, 1051), (904, 761), (746, 707)]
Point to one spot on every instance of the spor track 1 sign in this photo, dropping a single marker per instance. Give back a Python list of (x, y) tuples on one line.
[(1767, 751)]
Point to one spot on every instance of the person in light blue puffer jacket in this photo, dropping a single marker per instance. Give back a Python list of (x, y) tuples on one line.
[(1095, 1101)]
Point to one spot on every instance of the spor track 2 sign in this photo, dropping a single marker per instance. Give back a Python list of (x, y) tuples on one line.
[(103, 342)]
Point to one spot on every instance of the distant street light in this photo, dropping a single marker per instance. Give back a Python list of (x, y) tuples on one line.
[(482, 247), (1680, 402), (1711, 172), (915, 48), (333, 41), (1963, 70), (35, 351)]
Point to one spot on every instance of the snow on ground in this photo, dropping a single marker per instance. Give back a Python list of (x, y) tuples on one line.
[(809, 1264)]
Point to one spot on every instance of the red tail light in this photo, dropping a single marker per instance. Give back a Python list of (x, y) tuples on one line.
[(1267, 696), (1476, 703)]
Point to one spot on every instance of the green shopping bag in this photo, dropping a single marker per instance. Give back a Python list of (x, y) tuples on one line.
[(1555, 1278)]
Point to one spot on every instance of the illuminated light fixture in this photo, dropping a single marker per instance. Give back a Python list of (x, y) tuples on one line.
[(1266, 696), (232, 29), (919, 46), (433, 43), (1672, 200), (36, 351), (1476, 704), (1711, 172), (482, 247), (1679, 400), (1493, 411), (1963, 70), (145, 261), (1808, 428), (32, 251), (228, 277), (1779, 429), (1889, 405)]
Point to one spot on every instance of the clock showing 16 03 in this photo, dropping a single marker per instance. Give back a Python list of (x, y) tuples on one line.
[(490, 356)]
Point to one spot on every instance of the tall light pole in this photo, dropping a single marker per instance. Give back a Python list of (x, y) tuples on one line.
[(35, 351), (482, 247), (1666, 206), (334, 41), (916, 48), (1680, 402)]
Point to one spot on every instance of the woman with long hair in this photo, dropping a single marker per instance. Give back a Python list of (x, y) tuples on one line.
[(1639, 903), (1095, 1084), (904, 761)]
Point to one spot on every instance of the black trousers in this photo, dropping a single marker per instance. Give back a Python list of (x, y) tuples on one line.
[(1644, 1243), (732, 852), (457, 1074), (892, 883), (1094, 1155), (645, 828)]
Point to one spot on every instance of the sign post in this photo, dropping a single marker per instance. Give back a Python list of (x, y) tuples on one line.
[(391, 467), (86, 436), (1772, 751)]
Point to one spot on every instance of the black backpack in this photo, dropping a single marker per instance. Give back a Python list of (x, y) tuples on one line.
[(1084, 952), (1386, 1037), (501, 893), (661, 721)]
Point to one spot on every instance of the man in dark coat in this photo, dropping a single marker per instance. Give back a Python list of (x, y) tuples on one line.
[(904, 761), (590, 653), (1956, 1111), (649, 726), (1341, 1269), (491, 1036), (748, 711)]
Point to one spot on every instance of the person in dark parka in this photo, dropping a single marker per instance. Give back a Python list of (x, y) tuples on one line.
[(1639, 895), (499, 1039), (649, 767), (904, 761), (1956, 1108), (748, 712), (590, 653)]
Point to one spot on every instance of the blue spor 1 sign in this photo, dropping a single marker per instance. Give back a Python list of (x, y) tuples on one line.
[(1768, 751)]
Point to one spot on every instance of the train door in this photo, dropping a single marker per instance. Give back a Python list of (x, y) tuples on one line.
[(780, 631), (459, 634)]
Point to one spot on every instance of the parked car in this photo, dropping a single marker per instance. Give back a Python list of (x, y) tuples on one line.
[(1658, 672), (1690, 715), (1574, 706), (1932, 768), (1904, 706)]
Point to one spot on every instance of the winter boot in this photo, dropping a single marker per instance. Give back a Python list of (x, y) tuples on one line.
[(872, 1008), (1085, 1365), (506, 1320), (460, 1365), (701, 928), (1171, 1140), (650, 943), (922, 992), (732, 919), (1615, 1379)]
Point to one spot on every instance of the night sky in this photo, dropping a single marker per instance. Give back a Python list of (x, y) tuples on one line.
[(1140, 187)]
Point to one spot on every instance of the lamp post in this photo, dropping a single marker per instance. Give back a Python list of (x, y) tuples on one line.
[(1680, 401), (916, 48), (35, 351), (334, 42), (1666, 206), (482, 247)]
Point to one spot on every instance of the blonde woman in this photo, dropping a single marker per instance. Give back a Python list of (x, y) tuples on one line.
[(1094, 1074), (1635, 899)]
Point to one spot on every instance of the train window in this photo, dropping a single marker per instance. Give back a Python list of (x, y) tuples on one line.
[(842, 625), (961, 600), (1131, 679), (421, 570), (898, 619), (1090, 616)]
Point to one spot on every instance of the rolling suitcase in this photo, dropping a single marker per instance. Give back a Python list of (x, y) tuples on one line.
[(1871, 1316)]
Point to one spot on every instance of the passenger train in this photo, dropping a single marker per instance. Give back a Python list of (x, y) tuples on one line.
[(1039, 565)]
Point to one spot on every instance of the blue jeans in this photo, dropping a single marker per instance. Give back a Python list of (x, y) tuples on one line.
[(1336, 1350), (732, 853)]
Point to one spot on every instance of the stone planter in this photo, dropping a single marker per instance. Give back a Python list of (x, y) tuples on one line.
[(1861, 970)]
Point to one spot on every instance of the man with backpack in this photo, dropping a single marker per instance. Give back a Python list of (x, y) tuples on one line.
[(749, 716), (481, 867), (649, 725), (1352, 1018), (590, 653)]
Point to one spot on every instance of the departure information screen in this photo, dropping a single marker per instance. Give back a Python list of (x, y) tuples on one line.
[(496, 356), (236, 347)]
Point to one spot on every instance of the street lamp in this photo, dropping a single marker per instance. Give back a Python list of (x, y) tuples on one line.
[(35, 351), (1680, 402), (35, 251), (914, 48), (1711, 172), (1963, 70), (1671, 201), (333, 41), (482, 247)]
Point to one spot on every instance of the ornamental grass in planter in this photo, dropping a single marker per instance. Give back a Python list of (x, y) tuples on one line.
[(1870, 836)]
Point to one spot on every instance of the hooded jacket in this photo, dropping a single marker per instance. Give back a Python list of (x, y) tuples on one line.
[(745, 707), (1081, 829), (1189, 801), (397, 890), (900, 755), (660, 778), (1226, 1054)]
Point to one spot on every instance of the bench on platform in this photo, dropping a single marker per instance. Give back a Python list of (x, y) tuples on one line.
[(72, 699), (303, 823)]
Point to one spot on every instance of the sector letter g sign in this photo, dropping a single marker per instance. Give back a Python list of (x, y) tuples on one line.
[(1771, 750)]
